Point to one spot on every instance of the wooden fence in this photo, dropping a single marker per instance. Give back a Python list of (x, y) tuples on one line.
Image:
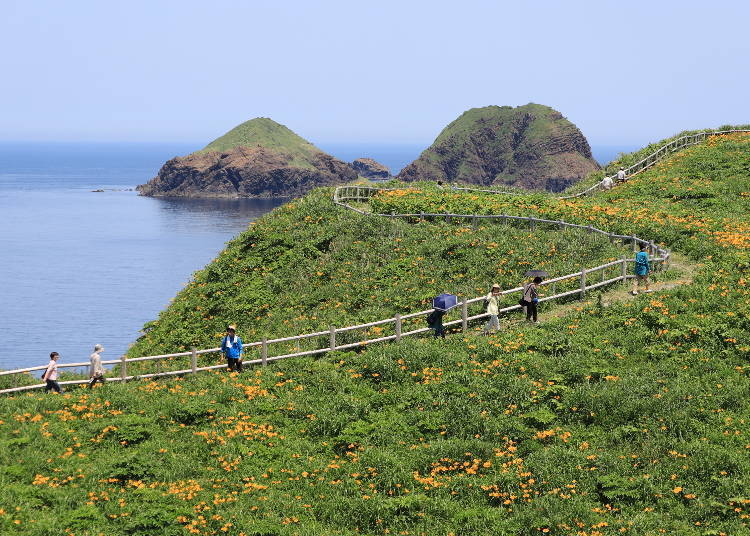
[(660, 154), (586, 280)]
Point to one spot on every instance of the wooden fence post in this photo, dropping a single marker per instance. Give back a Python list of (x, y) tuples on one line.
[(332, 337), (421, 216), (193, 360), (464, 314), (123, 367), (583, 282), (264, 351), (398, 328), (635, 243)]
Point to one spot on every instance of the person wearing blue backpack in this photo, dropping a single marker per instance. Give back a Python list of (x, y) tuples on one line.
[(642, 269), (231, 347)]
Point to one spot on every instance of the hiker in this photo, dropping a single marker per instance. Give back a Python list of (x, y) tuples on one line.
[(621, 175), (439, 184), (96, 371), (607, 183), (231, 347), (530, 299), (435, 321), (642, 269), (491, 303), (50, 375)]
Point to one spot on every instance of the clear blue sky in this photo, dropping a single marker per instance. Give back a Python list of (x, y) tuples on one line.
[(626, 72)]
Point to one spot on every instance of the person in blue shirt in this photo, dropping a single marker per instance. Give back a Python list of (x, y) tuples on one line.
[(231, 347), (642, 269)]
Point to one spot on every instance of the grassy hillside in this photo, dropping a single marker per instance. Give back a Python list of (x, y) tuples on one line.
[(531, 146), (265, 132), (627, 419), (626, 160), (310, 265)]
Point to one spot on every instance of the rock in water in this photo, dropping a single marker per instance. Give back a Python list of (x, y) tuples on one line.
[(531, 146), (259, 158), (370, 169)]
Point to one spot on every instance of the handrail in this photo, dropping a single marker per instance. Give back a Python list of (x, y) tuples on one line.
[(360, 193), (667, 149), (650, 160)]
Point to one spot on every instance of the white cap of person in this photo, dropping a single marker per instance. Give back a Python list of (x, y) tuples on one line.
[(98, 348)]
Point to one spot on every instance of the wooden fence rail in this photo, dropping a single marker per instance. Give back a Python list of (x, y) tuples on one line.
[(658, 155), (343, 194)]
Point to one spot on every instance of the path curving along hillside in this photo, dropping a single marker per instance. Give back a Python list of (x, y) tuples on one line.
[(588, 279)]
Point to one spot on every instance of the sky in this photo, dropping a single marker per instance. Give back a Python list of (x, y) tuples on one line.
[(626, 73)]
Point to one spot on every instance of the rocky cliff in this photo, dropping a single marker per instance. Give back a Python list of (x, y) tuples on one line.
[(259, 158), (370, 169), (531, 146)]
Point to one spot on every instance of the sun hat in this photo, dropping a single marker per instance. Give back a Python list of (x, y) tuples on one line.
[(494, 286), (98, 348), (232, 327)]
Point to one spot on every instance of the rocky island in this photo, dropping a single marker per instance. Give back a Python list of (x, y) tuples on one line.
[(259, 158), (531, 146), (371, 169)]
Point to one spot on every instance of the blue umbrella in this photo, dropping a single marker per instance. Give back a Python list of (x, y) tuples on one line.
[(444, 302)]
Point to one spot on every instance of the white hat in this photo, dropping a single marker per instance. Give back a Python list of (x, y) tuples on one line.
[(98, 348)]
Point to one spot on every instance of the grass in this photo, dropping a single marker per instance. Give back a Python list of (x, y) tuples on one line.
[(269, 134), (627, 419)]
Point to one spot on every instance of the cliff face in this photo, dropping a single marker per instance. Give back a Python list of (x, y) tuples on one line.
[(370, 169), (259, 158), (531, 146)]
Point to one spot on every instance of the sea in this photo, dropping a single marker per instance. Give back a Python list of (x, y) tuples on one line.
[(84, 260)]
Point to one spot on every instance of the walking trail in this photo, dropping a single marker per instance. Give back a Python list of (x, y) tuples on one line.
[(621, 293)]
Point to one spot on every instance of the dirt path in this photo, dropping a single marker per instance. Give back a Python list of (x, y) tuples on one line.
[(620, 293)]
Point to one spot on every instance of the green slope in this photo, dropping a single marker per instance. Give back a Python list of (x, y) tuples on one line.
[(628, 419), (265, 132)]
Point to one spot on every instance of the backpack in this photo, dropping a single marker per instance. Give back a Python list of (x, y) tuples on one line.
[(486, 303)]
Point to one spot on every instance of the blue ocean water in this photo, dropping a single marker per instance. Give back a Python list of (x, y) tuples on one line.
[(79, 267)]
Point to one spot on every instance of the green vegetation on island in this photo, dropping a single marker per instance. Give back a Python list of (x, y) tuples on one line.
[(267, 133), (259, 158), (627, 418), (531, 147)]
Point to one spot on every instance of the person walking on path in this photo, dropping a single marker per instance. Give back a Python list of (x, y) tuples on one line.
[(607, 183), (435, 321), (642, 269), (231, 347), (50, 375), (530, 299), (96, 371), (621, 175), (492, 302)]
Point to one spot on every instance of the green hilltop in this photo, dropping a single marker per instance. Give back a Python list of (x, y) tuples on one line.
[(267, 133), (611, 417), (531, 146), (264, 132)]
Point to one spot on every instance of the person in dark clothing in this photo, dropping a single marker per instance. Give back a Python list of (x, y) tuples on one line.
[(531, 299), (231, 347), (435, 321)]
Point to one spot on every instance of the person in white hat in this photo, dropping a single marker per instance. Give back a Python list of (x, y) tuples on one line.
[(491, 301), (96, 371)]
